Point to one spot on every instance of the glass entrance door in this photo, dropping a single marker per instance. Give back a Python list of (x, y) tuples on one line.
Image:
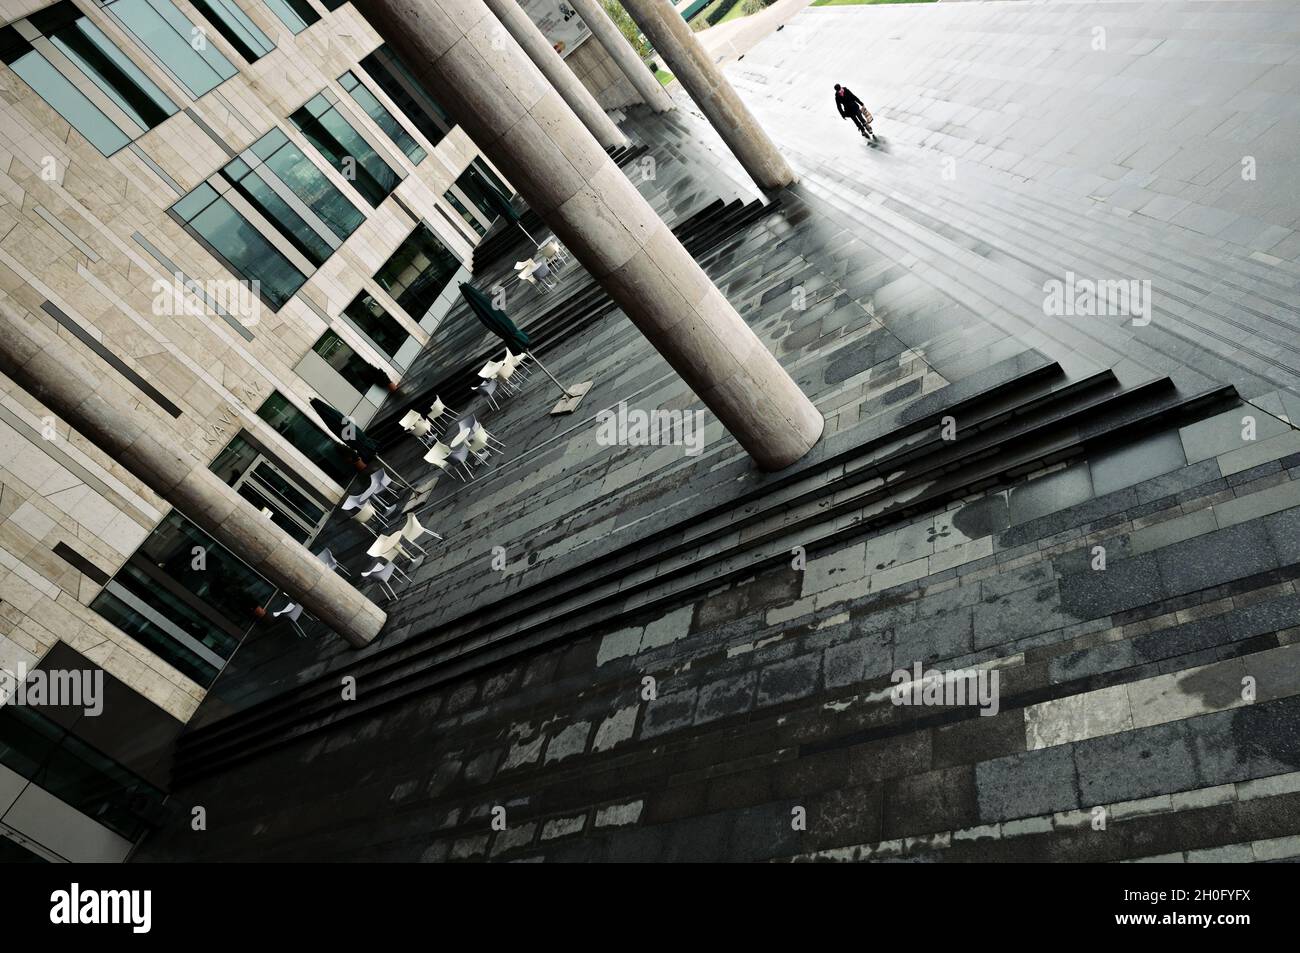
[(263, 482)]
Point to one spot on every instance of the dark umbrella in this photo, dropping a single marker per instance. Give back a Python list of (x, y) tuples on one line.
[(352, 434), (503, 206), (493, 318), (346, 429), (496, 321)]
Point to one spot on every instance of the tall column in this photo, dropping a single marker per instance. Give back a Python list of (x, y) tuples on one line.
[(620, 51), (101, 411), (682, 53), (521, 26), (523, 126)]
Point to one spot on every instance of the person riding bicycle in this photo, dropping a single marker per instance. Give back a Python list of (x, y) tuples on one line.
[(851, 107)]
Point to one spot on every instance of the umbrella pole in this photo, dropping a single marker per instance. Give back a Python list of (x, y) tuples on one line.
[(409, 484), (564, 390), (529, 237), (572, 397)]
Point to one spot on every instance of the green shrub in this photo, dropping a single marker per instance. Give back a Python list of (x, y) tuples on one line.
[(627, 26), (720, 11)]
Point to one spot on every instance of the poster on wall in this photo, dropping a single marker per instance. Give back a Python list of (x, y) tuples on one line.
[(558, 22)]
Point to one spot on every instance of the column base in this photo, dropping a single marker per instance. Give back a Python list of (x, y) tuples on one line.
[(569, 404)]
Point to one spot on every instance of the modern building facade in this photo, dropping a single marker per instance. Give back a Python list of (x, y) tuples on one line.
[(234, 207), (626, 647)]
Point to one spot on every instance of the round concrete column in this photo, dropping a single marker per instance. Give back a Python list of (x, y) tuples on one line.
[(683, 55), (514, 116), (621, 52), (101, 411), (521, 26)]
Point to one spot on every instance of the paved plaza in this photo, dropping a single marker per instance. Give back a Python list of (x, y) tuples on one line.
[(641, 653)]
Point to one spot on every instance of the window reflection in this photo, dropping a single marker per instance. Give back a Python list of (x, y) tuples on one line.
[(238, 30), (382, 117), (74, 35), (371, 319), (312, 442), (176, 41), (245, 250), (418, 271), (326, 129), (391, 75)]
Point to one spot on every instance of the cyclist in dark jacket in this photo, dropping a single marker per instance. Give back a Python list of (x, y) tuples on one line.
[(851, 107)]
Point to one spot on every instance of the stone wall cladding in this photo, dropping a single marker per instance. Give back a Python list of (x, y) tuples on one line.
[(56, 487), (601, 75)]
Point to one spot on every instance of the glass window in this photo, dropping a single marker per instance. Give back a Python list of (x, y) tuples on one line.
[(477, 182), (297, 15), (370, 318), (178, 43), (418, 271), (352, 367), (243, 248), (277, 211), (233, 23), (40, 750), (185, 597), (382, 117), (324, 126), (391, 75), (275, 178), (306, 181), (314, 444), (484, 171), (103, 63), (465, 213), (59, 93)]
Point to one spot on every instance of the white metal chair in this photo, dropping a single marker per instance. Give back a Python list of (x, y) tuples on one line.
[(481, 442), (468, 425), (389, 547), (438, 408), (380, 482), (552, 251), (438, 456), (543, 274), (505, 375), (374, 513), (356, 500), (421, 430), (409, 419), (460, 453), (382, 573), (327, 557), (488, 388), (294, 612), (519, 362), (413, 530)]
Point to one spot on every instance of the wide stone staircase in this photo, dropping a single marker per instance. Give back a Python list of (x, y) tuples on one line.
[(985, 432)]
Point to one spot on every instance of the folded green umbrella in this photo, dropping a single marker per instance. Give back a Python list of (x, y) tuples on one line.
[(499, 201), (503, 206), (493, 318), (347, 430), (496, 321), (353, 437)]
